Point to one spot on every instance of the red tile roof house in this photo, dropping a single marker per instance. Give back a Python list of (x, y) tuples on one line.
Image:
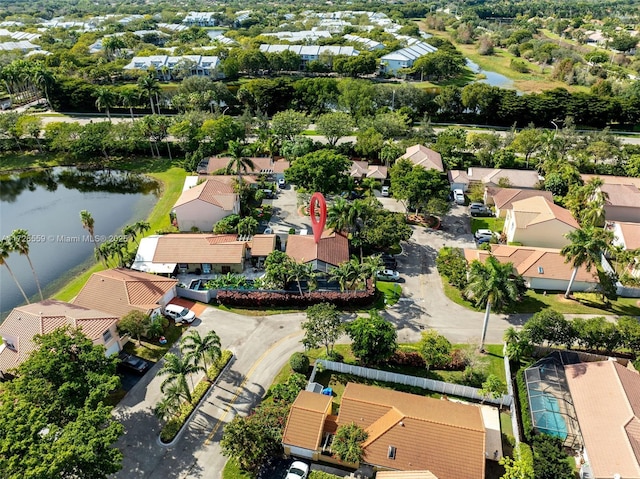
[(120, 291), (262, 165), (406, 432), (24, 322), (606, 398), (331, 251), (541, 268), (362, 169), (204, 205), (503, 198), (536, 221), (528, 179), (420, 155)]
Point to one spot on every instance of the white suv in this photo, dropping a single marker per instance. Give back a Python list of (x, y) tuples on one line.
[(179, 314)]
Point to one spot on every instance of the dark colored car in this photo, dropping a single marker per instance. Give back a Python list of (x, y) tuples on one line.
[(480, 211), (133, 363)]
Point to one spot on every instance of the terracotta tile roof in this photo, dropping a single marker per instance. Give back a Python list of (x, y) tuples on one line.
[(503, 198), (606, 397), (621, 195), (537, 209), (333, 248), (24, 322), (213, 192), (630, 234), (228, 179), (427, 433), (262, 245), (305, 424), (422, 156), (259, 163), (613, 180), (458, 176), (359, 169), (199, 248), (119, 291), (529, 262), (377, 172), (516, 178)]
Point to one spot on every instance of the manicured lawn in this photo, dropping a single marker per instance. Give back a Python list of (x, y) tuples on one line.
[(391, 291), (534, 301), (152, 350), (21, 161), (492, 223), (232, 471)]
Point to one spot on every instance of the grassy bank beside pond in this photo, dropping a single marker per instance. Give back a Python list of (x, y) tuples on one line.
[(172, 180)]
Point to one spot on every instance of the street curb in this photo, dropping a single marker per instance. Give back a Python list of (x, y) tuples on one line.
[(197, 406)]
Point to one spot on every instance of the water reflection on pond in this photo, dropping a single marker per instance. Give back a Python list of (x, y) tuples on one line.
[(47, 203)]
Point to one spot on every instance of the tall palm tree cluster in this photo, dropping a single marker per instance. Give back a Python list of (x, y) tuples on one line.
[(18, 242), (353, 272), (26, 81), (197, 354)]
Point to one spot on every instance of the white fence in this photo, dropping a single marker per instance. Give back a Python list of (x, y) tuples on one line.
[(424, 383)]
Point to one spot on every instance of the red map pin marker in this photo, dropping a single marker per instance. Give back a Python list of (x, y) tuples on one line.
[(318, 222)]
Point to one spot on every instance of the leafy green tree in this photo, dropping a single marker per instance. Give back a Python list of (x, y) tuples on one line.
[(220, 131), (322, 327), (135, 323), (435, 349), (629, 330), (299, 363), (492, 387), (383, 229), (373, 338), (549, 459), (491, 285), (288, 124), (334, 126), (587, 246), (550, 327), (277, 271), (521, 465), (253, 439), (20, 243), (347, 443), (369, 142), (356, 97), (414, 185), (324, 171), (354, 66), (201, 349), (452, 264), (247, 226), (288, 391)]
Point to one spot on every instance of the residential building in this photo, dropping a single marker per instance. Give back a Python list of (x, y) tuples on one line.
[(201, 253), (503, 198), (607, 406), (542, 269), (19, 35), (24, 322), (301, 36), (201, 19), (162, 65), (536, 221), (405, 57), (331, 251), (365, 43), (22, 45), (119, 291), (406, 432), (503, 177), (622, 202), (202, 206), (420, 155), (310, 53), (261, 165), (362, 169), (627, 236)]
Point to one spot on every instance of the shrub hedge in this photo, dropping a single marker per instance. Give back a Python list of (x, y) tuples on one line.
[(261, 299), (173, 425), (525, 413)]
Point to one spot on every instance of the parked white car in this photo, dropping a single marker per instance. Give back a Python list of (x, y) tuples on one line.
[(458, 197), (481, 233), (388, 275), (298, 470), (384, 191), (179, 314)]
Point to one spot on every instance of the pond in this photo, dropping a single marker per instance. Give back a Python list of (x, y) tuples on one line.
[(47, 204), (491, 78)]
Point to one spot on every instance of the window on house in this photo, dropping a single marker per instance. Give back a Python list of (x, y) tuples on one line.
[(391, 453), (106, 336), (226, 269), (540, 270)]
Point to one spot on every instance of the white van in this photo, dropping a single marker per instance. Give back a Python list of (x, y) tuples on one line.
[(179, 314)]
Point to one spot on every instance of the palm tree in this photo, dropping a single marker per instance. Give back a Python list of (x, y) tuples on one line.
[(5, 250), (344, 273), (300, 272), (492, 285), (169, 405), (129, 231), (149, 85), (339, 216), (141, 227), (88, 224), (129, 99), (201, 349), (177, 369), (239, 161), (105, 99), (586, 249), (44, 80), (20, 243)]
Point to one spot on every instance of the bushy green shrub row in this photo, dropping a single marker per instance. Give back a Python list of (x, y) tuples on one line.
[(523, 398), (173, 425)]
